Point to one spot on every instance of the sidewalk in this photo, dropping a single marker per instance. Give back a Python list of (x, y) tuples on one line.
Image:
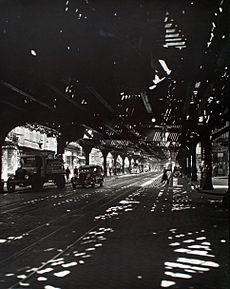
[(220, 186)]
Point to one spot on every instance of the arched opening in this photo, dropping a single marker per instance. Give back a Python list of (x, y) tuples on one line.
[(96, 157), (73, 156), (135, 166), (126, 165), (25, 140), (131, 165), (109, 164), (119, 164)]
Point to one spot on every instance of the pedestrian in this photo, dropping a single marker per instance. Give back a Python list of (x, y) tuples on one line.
[(110, 171), (165, 177), (215, 170), (142, 168), (75, 171), (67, 172)]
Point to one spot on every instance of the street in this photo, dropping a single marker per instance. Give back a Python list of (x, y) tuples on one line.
[(134, 232)]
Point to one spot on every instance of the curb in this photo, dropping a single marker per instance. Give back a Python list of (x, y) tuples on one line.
[(209, 192)]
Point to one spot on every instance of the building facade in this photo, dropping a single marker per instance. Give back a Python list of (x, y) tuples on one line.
[(25, 140)]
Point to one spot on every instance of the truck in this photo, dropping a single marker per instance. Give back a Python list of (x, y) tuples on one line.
[(35, 170)]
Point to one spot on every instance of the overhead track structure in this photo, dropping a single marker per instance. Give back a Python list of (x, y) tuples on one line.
[(119, 68)]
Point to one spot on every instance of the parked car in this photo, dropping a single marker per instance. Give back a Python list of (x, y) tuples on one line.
[(88, 175)]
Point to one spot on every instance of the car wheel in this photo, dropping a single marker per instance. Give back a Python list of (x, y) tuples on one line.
[(10, 187), (60, 181)]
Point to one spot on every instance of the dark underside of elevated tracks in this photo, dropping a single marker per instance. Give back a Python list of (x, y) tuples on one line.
[(153, 75), (140, 78)]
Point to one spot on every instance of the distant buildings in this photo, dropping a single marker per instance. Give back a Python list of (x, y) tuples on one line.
[(33, 139), (73, 156), (25, 140), (220, 152), (36, 139)]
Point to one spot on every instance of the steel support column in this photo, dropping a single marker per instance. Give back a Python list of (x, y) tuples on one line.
[(105, 154), (206, 143), (1, 181), (115, 155), (123, 163), (188, 160), (194, 167), (87, 149), (130, 164), (61, 144), (184, 165), (225, 202)]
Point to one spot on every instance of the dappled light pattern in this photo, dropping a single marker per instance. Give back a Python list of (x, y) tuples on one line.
[(193, 255), (76, 254), (151, 181), (172, 198), (58, 200), (65, 260), (180, 199), (173, 35), (191, 251), (126, 205)]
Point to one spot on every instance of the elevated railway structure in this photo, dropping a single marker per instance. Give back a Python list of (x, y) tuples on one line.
[(151, 74)]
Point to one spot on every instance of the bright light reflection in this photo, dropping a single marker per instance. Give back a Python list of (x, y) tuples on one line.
[(198, 262), (42, 279), (166, 283), (46, 270), (24, 284), (71, 264), (178, 275), (51, 287), (62, 274), (164, 65), (33, 52), (174, 244)]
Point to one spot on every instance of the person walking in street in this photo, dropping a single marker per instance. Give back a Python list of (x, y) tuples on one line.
[(67, 172), (165, 177), (110, 172)]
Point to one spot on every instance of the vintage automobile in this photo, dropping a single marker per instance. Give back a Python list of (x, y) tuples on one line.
[(88, 175), (35, 170)]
